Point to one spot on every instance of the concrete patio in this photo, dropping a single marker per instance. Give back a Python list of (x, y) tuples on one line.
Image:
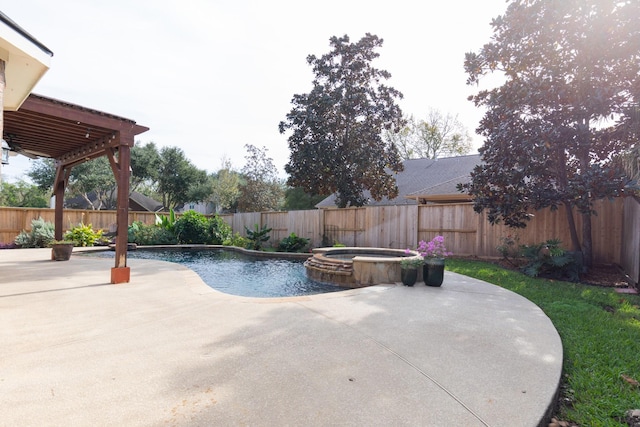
[(167, 350)]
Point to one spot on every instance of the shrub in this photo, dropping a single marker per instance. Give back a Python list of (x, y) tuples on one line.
[(509, 246), (237, 240), (83, 235), (548, 259), (143, 234), (293, 243), (192, 228), (257, 236), (41, 235), (219, 230), (167, 222)]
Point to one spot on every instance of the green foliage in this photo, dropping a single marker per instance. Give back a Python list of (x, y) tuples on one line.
[(93, 181), (257, 236), (225, 188), (145, 164), (260, 189), (293, 243), (40, 236), (411, 262), (179, 181), (237, 240), (83, 235), (600, 338), (143, 234), (296, 199), (218, 230), (336, 144), (509, 246), (42, 172), (23, 194), (553, 128), (548, 259), (192, 228), (167, 222)]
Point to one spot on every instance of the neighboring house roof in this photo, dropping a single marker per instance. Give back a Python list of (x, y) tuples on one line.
[(138, 202), (426, 180)]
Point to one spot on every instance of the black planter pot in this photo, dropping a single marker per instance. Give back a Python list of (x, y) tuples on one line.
[(433, 271), (409, 276)]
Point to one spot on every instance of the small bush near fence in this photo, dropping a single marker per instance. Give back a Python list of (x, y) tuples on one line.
[(40, 236), (293, 243)]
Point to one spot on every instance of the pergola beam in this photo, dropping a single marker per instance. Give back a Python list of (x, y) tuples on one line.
[(72, 135)]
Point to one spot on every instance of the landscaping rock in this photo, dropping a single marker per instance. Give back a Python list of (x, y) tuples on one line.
[(633, 417)]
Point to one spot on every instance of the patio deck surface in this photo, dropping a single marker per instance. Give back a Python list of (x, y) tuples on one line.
[(167, 350)]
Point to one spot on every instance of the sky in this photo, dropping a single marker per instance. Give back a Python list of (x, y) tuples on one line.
[(209, 76)]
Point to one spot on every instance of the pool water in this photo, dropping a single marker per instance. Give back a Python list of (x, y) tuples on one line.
[(239, 274)]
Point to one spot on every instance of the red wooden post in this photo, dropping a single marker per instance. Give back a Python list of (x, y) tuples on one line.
[(121, 273)]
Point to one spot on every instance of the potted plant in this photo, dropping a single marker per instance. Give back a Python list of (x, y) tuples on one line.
[(409, 266), (434, 253), (61, 250)]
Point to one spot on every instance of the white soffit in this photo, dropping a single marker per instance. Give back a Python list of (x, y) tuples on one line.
[(26, 63)]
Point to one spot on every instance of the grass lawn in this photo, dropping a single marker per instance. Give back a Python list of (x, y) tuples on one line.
[(600, 331)]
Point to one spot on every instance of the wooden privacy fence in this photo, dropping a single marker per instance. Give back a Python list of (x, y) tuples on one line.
[(14, 220), (630, 257), (466, 232)]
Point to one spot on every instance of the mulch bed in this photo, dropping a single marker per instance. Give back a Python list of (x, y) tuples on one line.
[(611, 276)]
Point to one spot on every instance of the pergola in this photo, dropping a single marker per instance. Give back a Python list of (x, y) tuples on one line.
[(71, 134)]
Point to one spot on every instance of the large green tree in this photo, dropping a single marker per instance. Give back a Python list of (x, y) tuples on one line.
[(225, 187), (571, 71), (145, 166), (179, 181), (260, 189), (296, 199), (336, 144), (93, 181), (22, 194), (166, 174)]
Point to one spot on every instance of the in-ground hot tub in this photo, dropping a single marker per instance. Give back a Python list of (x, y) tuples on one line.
[(355, 267)]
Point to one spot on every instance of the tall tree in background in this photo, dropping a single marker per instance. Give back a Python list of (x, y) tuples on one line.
[(438, 135), (93, 181), (23, 195), (225, 187), (179, 181), (441, 135), (296, 199), (571, 70), (145, 165), (336, 144), (260, 190)]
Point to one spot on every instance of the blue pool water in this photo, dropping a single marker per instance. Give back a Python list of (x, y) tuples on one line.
[(239, 274)]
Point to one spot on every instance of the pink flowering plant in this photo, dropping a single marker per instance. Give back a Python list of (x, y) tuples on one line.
[(434, 248)]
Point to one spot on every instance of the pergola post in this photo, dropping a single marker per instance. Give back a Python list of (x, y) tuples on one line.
[(71, 134), (121, 273), (59, 185)]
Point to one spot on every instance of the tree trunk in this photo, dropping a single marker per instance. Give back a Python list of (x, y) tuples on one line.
[(573, 230), (562, 180), (583, 158), (587, 244)]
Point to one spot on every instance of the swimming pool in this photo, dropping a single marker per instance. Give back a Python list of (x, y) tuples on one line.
[(237, 273)]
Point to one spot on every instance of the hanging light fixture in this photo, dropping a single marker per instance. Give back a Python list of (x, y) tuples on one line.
[(5, 152)]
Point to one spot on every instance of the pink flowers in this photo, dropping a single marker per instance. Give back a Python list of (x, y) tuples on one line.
[(434, 248)]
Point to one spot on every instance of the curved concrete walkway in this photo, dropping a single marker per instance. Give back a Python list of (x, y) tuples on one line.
[(166, 350)]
